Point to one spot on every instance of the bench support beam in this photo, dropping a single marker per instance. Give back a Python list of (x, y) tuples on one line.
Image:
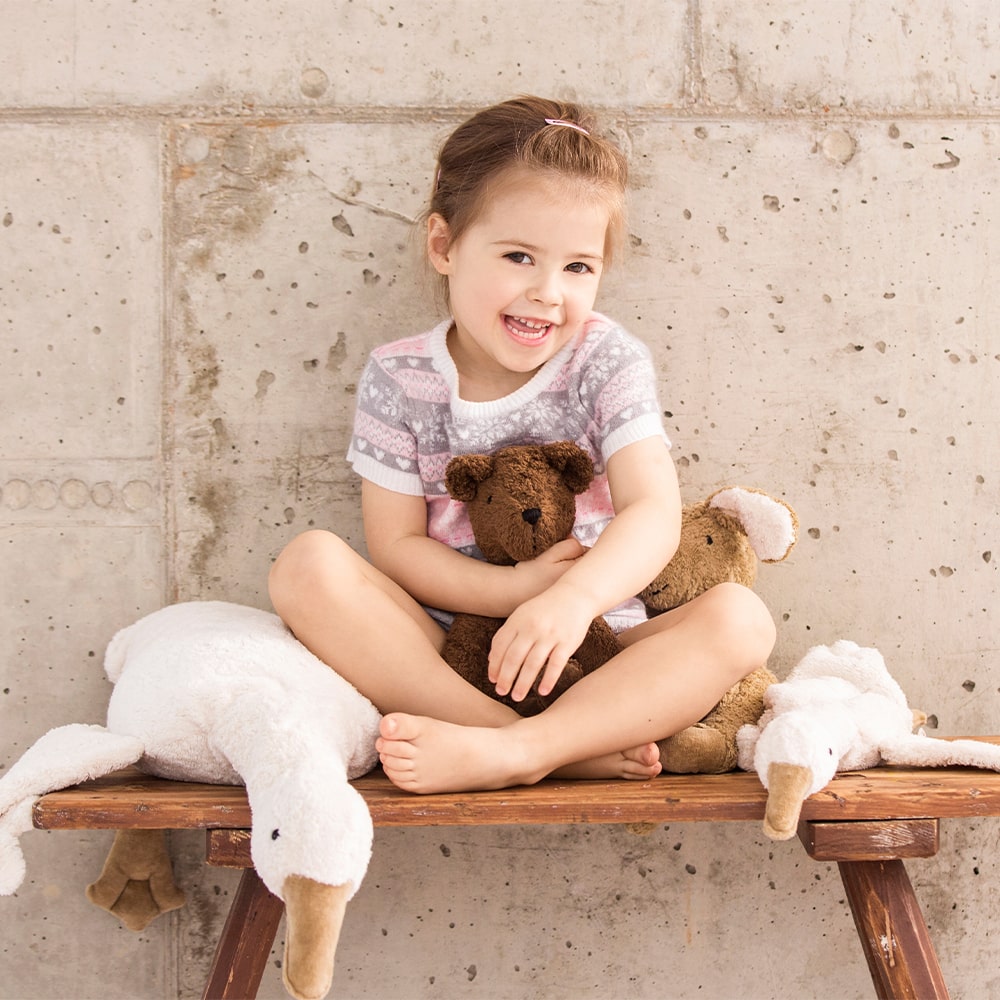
[(245, 945), (894, 936)]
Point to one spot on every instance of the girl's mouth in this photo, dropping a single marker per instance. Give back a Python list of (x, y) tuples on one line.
[(526, 331)]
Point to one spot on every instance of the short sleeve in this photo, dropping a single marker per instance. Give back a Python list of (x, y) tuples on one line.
[(618, 389), (383, 449)]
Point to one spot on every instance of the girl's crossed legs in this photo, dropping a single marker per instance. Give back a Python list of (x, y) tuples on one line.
[(441, 734)]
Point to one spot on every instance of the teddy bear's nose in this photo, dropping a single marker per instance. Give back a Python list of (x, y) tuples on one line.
[(532, 515)]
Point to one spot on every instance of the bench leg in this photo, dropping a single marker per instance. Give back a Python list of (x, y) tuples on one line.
[(894, 936), (243, 949)]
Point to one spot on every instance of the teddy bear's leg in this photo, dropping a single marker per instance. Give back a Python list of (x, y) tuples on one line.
[(709, 746), (599, 645), (137, 882), (699, 749), (467, 649)]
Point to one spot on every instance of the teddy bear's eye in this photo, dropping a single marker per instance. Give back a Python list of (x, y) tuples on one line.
[(709, 540), (489, 499)]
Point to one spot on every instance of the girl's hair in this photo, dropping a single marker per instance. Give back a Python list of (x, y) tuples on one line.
[(534, 133)]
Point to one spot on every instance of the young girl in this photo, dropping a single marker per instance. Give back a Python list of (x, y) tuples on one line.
[(527, 211)]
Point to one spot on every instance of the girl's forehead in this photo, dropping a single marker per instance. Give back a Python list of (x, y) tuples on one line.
[(527, 197), (547, 185)]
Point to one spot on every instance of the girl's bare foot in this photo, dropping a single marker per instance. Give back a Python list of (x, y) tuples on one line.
[(425, 755), (637, 764)]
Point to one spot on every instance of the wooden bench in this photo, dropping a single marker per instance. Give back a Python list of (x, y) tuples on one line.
[(869, 822)]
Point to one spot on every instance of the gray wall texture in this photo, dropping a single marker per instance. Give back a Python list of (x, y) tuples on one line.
[(206, 223)]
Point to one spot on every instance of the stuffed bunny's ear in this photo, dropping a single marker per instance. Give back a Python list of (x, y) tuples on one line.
[(771, 525)]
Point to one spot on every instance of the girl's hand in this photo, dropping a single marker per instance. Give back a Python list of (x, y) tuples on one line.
[(538, 638)]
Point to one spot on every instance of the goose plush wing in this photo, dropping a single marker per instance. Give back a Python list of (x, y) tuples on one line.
[(920, 750), (63, 756)]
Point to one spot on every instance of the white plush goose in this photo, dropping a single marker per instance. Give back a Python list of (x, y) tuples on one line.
[(217, 692)]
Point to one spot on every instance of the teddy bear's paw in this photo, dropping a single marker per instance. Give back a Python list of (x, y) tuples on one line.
[(698, 749)]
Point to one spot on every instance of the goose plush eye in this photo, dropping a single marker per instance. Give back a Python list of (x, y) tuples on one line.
[(275, 834)]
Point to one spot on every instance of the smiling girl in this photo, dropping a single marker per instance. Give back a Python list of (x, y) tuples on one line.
[(527, 211)]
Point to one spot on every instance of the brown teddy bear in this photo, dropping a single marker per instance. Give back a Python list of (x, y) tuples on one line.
[(722, 538), (521, 501)]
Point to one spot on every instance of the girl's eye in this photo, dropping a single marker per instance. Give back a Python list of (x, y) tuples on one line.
[(518, 257), (578, 267)]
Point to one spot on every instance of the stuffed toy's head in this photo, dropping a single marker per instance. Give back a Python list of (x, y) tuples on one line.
[(520, 500), (722, 537)]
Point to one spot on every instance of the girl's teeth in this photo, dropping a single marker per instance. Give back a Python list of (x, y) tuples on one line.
[(528, 328)]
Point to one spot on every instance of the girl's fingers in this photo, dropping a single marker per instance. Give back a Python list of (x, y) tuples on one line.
[(528, 673), (505, 663), (517, 668), (557, 661)]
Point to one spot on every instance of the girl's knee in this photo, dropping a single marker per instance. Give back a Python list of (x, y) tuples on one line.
[(308, 562), (741, 623)]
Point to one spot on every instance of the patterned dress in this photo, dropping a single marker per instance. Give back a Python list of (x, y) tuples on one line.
[(599, 391)]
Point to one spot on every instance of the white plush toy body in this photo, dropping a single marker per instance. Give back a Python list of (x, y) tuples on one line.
[(218, 692), (839, 709)]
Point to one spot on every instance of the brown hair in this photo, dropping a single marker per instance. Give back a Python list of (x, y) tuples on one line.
[(520, 133)]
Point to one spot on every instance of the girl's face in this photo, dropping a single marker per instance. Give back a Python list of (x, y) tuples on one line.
[(522, 278)]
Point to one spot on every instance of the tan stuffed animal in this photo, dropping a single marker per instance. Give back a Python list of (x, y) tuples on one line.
[(722, 538), (521, 500)]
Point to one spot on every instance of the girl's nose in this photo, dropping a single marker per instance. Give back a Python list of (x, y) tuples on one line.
[(546, 291)]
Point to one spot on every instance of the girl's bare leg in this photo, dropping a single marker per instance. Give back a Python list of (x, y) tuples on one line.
[(372, 632), (376, 636), (672, 671)]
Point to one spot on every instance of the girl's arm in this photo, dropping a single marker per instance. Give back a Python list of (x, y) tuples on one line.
[(438, 576), (640, 540)]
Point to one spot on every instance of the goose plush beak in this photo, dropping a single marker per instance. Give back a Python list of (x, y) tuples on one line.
[(787, 788), (314, 914)]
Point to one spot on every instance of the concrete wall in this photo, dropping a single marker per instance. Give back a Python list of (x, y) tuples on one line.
[(206, 224)]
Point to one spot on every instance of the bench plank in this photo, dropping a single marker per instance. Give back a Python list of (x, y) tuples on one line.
[(128, 799)]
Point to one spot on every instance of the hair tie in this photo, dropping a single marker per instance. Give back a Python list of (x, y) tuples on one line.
[(566, 124)]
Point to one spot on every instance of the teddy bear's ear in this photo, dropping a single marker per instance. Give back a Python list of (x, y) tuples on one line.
[(573, 462), (771, 525), (464, 473)]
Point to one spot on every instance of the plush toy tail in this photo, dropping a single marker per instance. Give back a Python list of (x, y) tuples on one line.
[(63, 756)]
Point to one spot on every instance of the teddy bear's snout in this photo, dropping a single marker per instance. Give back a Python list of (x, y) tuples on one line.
[(532, 515)]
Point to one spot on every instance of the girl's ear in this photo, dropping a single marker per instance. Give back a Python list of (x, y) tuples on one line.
[(438, 243)]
